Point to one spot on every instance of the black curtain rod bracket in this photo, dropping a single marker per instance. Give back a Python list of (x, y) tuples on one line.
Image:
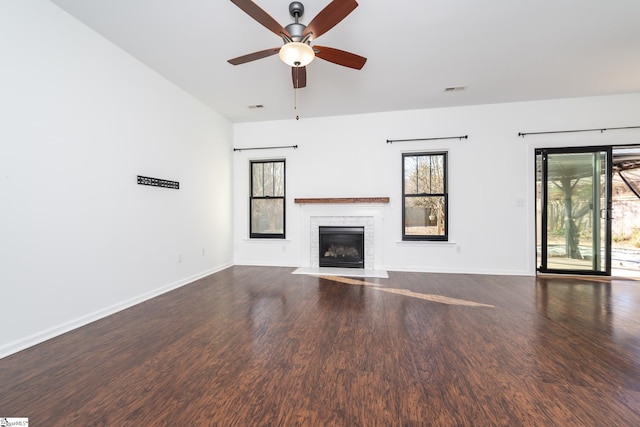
[(391, 141), (265, 148), (601, 130)]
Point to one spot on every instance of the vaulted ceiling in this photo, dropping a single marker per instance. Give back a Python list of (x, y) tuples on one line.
[(501, 50)]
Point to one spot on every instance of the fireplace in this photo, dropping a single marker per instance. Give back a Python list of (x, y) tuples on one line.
[(341, 247)]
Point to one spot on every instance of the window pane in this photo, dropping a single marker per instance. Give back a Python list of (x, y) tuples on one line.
[(278, 179), (424, 174), (268, 179), (267, 216), (424, 216), (257, 170), (410, 174), (433, 174)]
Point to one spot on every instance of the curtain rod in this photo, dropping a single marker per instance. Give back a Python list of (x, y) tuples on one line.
[(391, 141), (601, 130), (265, 148)]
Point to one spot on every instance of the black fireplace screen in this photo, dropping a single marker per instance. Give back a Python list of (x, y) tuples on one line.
[(341, 247)]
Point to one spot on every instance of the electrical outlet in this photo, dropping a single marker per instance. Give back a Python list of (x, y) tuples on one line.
[(458, 249), (202, 252), (179, 257)]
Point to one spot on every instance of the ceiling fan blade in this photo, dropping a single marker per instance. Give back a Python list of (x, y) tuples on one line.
[(299, 76), (340, 57), (253, 56), (328, 17), (254, 11)]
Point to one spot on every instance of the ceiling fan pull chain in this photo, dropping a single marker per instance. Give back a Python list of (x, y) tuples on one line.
[(295, 92)]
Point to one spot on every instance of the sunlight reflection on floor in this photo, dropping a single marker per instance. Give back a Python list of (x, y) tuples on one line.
[(429, 297)]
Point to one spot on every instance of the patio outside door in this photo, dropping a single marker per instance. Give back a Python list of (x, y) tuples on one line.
[(573, 204)]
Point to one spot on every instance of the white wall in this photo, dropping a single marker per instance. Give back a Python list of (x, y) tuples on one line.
[(79, 239), (491, 175)]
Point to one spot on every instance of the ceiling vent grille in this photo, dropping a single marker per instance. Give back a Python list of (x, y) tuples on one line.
[(454, 88)]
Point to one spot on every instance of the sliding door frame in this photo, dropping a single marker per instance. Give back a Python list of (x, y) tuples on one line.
[(542, 265)]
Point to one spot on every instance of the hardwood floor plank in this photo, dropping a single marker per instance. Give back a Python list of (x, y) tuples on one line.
[(260, 346)]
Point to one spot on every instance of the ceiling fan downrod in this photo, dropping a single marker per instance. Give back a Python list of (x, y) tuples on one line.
[(296, 29)]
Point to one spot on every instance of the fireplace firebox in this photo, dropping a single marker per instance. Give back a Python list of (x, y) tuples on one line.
[(341, 247)]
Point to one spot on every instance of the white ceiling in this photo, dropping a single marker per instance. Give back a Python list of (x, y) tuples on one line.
[(503, 50)]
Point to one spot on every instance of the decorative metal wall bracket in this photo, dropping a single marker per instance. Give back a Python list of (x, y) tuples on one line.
[(155, 182)]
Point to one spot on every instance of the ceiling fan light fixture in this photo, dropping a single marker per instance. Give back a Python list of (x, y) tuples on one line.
[(296, 54)]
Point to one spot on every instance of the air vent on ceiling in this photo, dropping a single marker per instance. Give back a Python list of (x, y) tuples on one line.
[(455, 88)]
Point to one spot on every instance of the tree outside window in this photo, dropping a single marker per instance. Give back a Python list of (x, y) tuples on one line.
[(267, 201), (424, 191)]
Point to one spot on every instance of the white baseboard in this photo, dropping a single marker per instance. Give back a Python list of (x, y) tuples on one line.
[(344, 272), (264, 264), (489, 272), (37, 338)]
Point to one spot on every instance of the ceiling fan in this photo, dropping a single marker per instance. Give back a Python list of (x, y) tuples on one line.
[(297, 51)]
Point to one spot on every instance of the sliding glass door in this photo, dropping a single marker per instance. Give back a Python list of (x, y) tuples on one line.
[(573, 204)]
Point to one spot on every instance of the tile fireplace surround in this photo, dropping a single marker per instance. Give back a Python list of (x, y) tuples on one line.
[(352, 212)]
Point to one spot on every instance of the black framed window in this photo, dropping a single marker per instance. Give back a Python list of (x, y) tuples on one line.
[(267, 201), (424, 196)]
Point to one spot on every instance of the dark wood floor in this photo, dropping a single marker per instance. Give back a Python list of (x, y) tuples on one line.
[(259, 346)]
